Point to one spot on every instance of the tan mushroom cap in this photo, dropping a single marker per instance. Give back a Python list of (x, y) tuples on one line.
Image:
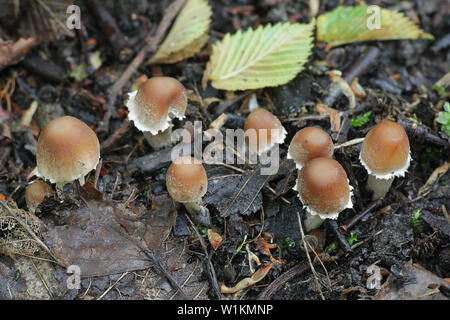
[(310, 143), (385, 150), (35, 193), (158, 98), (67, 150), (186, 180), (259, 120), (323, 188)]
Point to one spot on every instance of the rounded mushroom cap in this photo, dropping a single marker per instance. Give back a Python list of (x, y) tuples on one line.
[(310, 143), (323, 188), (385, 150), (267, 129), (35, 193), (67, 150), (186, 180), (157, 99)]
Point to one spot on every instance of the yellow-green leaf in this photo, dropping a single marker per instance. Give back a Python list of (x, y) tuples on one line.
[(352, 24), (266, 57), (188, 34)]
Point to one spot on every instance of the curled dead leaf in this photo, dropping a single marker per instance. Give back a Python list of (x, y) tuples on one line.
[(247, 282), (214, 238)]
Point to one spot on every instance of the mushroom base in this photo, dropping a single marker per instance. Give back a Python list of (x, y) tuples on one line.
[(160, 140), (379, 186), (311, 222)]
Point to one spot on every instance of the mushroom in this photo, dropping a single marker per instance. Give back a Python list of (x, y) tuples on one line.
[(153, 106), (385, 154), (35, 193), (309, 143), (324, 190), (67, 150), (265, 128), (187, 183)]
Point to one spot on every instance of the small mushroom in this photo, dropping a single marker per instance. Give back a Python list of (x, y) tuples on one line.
[(324, 190), (385, 154), (35, 193), (67, 150), (310, 143), (187, 183), (153, 106), (268, 131)]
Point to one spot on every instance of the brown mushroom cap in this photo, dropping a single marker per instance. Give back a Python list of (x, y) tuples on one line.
[(186, 180), (150, 107), (261, 119), (67, 150), (385, 150), (310, 143), (35, 193), (323, 187)]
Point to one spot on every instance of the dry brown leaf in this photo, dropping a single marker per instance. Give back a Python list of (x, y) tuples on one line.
[(335, 118), (214, 238)]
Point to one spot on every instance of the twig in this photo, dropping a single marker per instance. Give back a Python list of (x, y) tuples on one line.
[(10, 52), (359, 67), (31, 232), (153, 259), (112, 286), (270, 290), (169, 14), (209, 267), (117, 135), (349, 143), (340, 237)]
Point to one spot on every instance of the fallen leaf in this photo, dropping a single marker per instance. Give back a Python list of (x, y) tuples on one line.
[(350, 24), (417, 283), (266, 57), (188, 34), (102, 238), (214, 238)]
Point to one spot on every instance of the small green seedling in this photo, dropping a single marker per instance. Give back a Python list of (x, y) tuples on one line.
[(360, 120), (416, 220), (353, 238)]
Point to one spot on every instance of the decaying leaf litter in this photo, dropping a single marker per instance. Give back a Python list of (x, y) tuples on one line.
[(134, 243)]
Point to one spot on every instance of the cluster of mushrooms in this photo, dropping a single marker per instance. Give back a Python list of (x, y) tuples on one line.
[(68, 150)]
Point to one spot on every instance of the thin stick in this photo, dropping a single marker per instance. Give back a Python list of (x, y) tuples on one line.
[(31, 232), (169, 14), (349, 143), (109, 289), (209, 267), (309, 258)]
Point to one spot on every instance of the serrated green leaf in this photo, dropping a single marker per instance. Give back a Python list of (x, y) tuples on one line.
[(350, 24), (188, 34), (266, 57), (360, 120)]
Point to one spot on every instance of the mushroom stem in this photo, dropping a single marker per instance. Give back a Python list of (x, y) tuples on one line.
[(379, 186), (198, 211), (311, 222), (160, 140)]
